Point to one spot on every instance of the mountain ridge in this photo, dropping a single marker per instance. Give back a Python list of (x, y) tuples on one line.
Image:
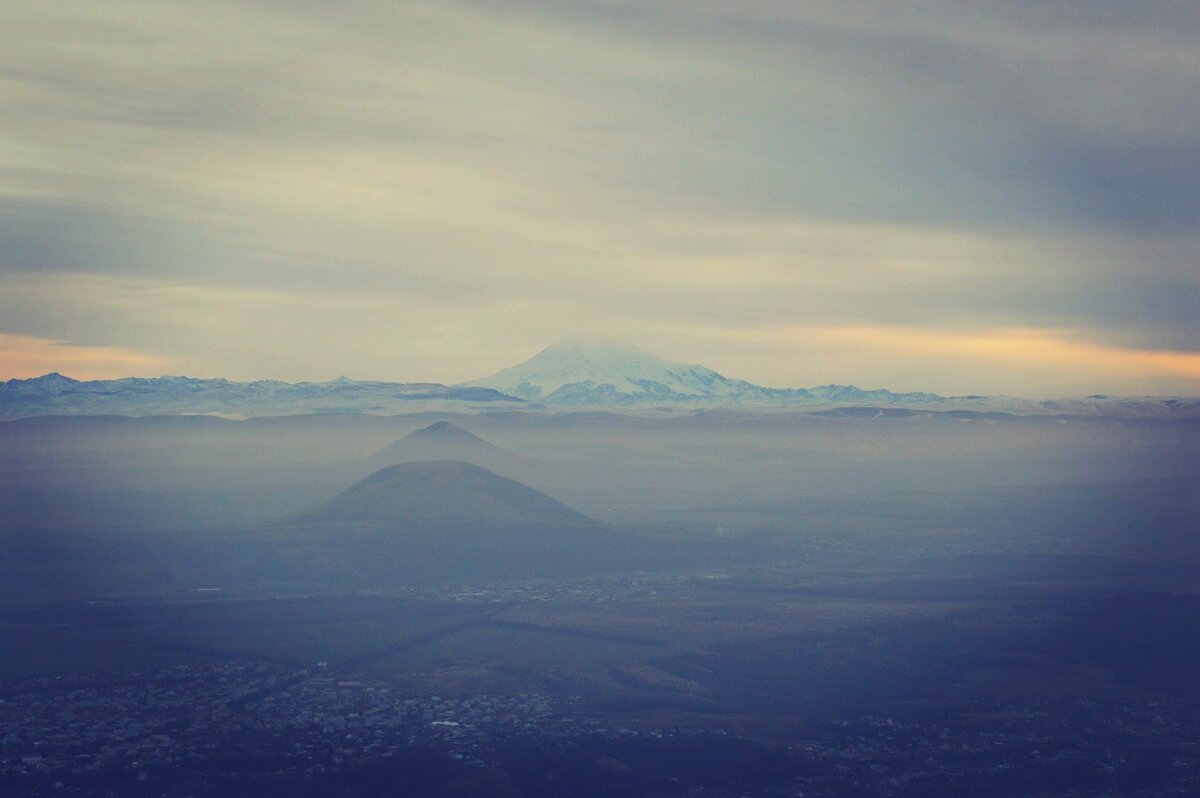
[(54, 394), (443, 440), (572, 375), (442, 493), (581, 372)]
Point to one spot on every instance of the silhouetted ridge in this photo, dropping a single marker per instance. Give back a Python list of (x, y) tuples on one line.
[(440, 494), (443, 441), (442, 430)]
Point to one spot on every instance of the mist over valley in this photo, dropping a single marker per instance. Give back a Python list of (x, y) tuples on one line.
[(727, 582)]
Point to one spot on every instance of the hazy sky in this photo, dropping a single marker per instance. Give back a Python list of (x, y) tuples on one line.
[(964, 197)]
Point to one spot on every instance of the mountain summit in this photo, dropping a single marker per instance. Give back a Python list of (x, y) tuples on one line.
[(583, 371), (604, 372), (443, 441)]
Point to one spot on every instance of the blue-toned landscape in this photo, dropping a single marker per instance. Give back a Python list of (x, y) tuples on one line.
[(600, 399)]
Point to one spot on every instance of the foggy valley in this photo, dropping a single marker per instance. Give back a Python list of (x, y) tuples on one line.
[(836, 601)]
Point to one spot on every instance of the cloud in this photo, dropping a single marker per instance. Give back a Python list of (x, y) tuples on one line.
[(22, 357), (1044, 362), (427, 190)]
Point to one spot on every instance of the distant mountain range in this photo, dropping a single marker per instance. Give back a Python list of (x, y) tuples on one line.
[(570, 374), (584, 373), (54, 394)]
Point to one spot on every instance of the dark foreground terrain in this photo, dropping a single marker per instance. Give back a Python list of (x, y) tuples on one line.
[(947, 638)]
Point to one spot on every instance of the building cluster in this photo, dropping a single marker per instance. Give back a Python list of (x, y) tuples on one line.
[(301, 721), (1045, 747), (63, 735), (594, 590)]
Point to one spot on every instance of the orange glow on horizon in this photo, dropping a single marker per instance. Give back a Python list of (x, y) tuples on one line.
[(904, 358), (1025, 347), (1030, 345), (22, 357)]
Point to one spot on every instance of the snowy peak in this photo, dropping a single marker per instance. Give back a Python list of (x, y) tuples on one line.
[(48, 384), (580, 371), (589, 372)]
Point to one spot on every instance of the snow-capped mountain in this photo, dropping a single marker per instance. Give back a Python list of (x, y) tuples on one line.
[(54, 394), (585, 372), (574, 373)]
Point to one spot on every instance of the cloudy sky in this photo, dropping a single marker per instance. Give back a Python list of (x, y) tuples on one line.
[(966, 197)]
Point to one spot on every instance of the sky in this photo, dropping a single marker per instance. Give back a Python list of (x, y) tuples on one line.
[(965, 196)]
